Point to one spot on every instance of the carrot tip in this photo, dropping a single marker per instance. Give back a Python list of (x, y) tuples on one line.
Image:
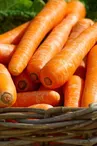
[(6, 98), (22, 85), (34, 77), (47, 81)]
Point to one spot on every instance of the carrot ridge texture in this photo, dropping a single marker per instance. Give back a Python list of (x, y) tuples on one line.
[(53, 43), (59, 69), (73, 90), (52, 14), (90, 89), (81, 26), (8, 93), (26, 99)]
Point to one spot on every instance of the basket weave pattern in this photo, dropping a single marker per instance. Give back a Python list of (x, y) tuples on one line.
[(70, 126)]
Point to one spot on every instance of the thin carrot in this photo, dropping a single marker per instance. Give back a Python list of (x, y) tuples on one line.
[(81, 70), (41, 106), (73, 90), (7, 88), (26, 99), (59, 69), (81, 26), (23, 83), (90, 90), (52, 14), (14, 36), (6, 52), (54, 43)]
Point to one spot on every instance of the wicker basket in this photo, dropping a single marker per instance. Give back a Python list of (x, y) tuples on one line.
[(70, 126)]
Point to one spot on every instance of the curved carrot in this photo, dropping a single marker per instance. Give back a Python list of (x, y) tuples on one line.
[(73, 90), (59, 69), (53, 44), (81, 26), (26, 99), (6, 52), (14, 36), (48, 18), (23, 83), (81, 70), (41, 106), (7, 88), (90, 90)]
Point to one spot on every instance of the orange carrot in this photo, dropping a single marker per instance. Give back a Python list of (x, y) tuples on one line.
[(48, 18), (77, 4), (81, 26), (59, 90), (23, 83), (6, 52), (81, 70), (73, 91), (41, 106), (90, 91), (26, 99), (59, 69), (53, 44), (7, 88), (14, 36)]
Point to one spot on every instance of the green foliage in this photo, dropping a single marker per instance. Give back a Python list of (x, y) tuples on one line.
[(16, 12)]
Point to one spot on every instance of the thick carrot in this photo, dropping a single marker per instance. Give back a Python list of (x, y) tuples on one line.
[(90, 89), (81, 26), (73, 90), (41, 106), (53, 44), (14, 36), (26, 99), (7, 88), (6, 52), (77, 4), (59, 69), (23, 83), (81, 70), (52, 14)]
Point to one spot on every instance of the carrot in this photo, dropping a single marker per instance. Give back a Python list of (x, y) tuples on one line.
[(90, 92), (6, 51), (73, 91), (14, 36), (48, 18), (26, 99), (77, 4), (41, 106), (81, 26), (59, 69), (59, 90), (53, 44), (23, 83), (7, 88), (81, 70)]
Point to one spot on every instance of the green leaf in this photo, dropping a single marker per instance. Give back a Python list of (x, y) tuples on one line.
[(16, 12)]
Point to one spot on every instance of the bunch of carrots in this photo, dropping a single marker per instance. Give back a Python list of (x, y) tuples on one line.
[(50, 60)]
